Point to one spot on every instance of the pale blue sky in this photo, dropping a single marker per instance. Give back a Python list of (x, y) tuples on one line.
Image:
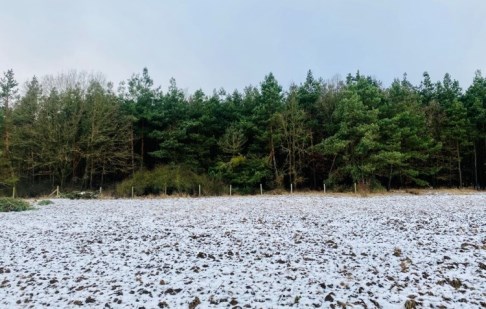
[(234, 43)]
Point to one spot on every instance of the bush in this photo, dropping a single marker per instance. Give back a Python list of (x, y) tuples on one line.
[(9, 204), (245, 174), (45, 202), (170, 179)]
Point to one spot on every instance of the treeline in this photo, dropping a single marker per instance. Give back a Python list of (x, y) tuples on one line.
[(77, 131)]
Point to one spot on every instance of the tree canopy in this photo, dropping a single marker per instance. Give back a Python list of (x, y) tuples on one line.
[(75, 130)]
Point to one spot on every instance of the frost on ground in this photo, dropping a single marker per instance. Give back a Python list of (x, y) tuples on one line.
[(249, 252)]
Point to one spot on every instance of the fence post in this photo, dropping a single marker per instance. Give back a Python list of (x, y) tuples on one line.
[(231, 190), (101, 191), (324, 187), (261, 189), (355, 189), (13, 192), (133, 193), (291, 189), (199, 190), (57, 192)]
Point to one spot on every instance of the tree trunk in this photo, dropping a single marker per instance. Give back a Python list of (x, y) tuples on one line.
[(6, 118), (314, 174), (33, 167), (459, 164), (91, 172), (103, 174), (290, 168), (142, 146), (451, 159), (132, 150), (84, 183), (74, 165), (390, 178), (332, 166), (274, 161), (476, 186)]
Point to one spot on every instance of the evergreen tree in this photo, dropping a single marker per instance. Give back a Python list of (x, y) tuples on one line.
[(269, 102), (8, 95), (73, 130), (354, 142), (105, 142), (25, 134), (475, 102), (141, 104), (454, 131), (404, 144)]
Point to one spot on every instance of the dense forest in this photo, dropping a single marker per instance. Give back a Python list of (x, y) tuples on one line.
[(77, 131)]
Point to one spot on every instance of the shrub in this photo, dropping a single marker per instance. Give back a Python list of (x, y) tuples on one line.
[(9, 204), (45, 202), (245, 174), (170, 179)]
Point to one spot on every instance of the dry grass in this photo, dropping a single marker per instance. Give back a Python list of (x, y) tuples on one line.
[(109, 194), (455, 191), (405, 265), (455, 283), (410, 304)]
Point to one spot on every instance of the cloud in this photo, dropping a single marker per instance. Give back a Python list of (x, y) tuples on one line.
[(231, 44)]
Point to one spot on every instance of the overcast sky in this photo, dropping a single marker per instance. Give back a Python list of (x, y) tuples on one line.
[(233, 43)]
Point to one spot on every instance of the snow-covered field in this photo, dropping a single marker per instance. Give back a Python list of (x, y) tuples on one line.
[(248, 252)]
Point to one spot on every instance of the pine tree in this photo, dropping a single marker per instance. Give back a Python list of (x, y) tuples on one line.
[(475, 102), (405, 145), (8, 96)]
